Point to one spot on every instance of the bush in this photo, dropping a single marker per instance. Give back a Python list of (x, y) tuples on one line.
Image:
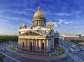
[(80, 42), (14, 47), (58, 52)]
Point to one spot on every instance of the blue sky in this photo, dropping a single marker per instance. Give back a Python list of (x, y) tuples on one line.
[(67, 15)]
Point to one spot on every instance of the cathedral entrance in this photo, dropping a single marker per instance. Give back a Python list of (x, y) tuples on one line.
[(30, 48), (42, 46), (23, 45)]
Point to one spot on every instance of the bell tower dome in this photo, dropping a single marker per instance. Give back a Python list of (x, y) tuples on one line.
[(39, 19)]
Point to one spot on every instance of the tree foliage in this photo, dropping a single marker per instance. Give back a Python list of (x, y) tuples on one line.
[(8, 38), (77, 41)]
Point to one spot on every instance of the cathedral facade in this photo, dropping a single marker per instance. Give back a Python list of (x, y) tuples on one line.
[(39, 37)]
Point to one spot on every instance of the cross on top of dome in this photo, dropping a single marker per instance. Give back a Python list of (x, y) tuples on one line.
[(39, 7)]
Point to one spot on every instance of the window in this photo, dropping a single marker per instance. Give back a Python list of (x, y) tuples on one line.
[(37, 23), (19, 32)]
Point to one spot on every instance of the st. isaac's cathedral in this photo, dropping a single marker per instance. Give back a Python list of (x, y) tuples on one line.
[(39, 37)]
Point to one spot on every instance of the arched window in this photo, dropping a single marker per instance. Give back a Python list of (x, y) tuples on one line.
[(19, 32)]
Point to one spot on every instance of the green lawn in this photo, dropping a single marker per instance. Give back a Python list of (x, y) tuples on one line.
[(58, 52), (81, 43), (14, 47)]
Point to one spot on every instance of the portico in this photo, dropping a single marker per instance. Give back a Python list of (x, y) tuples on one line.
[(38, 45)]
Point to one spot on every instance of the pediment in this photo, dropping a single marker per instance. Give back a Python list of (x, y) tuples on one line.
[(32, 33)]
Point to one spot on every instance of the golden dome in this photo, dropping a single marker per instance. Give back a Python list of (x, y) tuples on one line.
[(39, 19), (38, 13)]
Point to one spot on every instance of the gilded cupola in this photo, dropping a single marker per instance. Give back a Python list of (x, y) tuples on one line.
[(39, 18)]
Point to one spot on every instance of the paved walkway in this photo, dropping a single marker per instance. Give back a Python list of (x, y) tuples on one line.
[(34, 55), (10, 57), (77, 59), (38, 56)]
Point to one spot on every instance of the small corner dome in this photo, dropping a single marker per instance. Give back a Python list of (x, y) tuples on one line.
[(56, 33), (51, 23), (23, 26)]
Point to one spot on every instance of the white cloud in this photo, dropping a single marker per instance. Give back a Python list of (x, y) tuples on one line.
[(58, 14), (63, 14), (3, 22), (63, 22), (25, 12), (60, 23), (29, 9), (68, 22), (46, 12)]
